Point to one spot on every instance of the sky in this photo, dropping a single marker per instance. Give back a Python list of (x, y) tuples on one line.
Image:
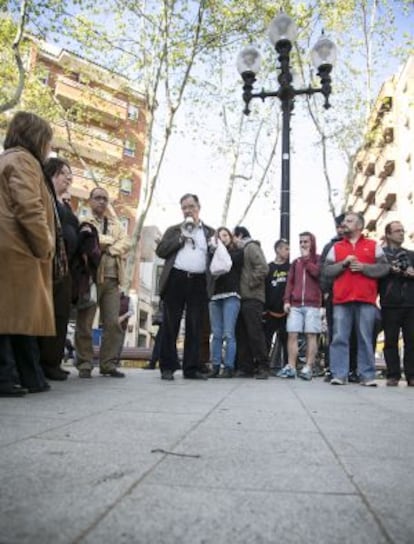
[(190, 168)]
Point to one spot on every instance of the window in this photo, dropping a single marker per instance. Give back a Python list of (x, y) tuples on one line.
[(158, 273), (83, 212), (142, 341), (129, 148), (125, 186), (44, 77), (133, 112), (143, 320)]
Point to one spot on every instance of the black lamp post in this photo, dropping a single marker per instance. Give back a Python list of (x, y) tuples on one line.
[(282, 33)]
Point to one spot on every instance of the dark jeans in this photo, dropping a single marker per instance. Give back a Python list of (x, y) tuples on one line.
[(272, 325), (156, 350), (19, 362), (395, 320), (250, 337), (52, 348), (183, 291)]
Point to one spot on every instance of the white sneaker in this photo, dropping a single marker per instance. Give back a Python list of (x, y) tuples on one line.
[(337, 381), (305, 373), (369, 383)]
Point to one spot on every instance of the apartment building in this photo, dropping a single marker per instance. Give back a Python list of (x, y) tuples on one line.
[(383, 184), (101, 129)]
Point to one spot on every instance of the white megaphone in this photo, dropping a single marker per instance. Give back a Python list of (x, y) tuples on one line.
[(188, 224)]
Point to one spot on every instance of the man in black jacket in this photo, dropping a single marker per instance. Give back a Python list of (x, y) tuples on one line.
[(397, 305), (183, 286)]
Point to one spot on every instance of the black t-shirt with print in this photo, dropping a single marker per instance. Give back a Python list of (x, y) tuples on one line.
[(275, 286)]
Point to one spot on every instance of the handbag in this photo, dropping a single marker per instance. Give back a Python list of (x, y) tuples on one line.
[(221, 262), (88, 298)]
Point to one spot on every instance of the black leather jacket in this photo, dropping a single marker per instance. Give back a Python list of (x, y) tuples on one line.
[(396, 289)]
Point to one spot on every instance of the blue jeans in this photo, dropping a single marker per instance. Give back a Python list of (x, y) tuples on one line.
[(344, 316), (223, 317)]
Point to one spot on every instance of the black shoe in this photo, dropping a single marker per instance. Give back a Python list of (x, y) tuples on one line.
[(56, 374), (226, 373), (353, 377), (13, 391), (40, 389), (262, 374), (112, 373), (214, 373), (328, 376), (167, 375), (196, 376), (204, 368), (243, 374)]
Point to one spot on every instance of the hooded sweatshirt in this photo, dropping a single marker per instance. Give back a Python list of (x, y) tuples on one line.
[(302, 287)]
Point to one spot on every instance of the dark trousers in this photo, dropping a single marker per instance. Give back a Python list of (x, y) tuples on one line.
[(156, 350), (395, 320), (52, 348), (19, 362), (271, 326), (250, 337), (183, 291)]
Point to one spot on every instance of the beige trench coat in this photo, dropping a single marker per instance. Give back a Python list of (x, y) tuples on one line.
[(27, 243)]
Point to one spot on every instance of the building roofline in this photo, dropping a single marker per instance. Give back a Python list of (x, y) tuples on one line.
[(57, 54)]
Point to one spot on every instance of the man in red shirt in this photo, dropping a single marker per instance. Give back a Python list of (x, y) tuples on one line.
[(355, 263)]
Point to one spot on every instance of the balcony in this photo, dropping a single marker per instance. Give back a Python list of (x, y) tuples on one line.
[(359, 183), (82, 185), (111, 109), (387, 128), (371, 215), (369, 189), (385, 164), (387, 193), (89, 145)]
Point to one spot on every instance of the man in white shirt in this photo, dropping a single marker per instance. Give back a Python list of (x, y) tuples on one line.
[(183, 286)]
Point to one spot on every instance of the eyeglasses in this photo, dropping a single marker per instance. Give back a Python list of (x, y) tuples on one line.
[(396, 231), (99, 197)]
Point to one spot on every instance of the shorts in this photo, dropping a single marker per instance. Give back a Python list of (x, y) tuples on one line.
[(304, 319)]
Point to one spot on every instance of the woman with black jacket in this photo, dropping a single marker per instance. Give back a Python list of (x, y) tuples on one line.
[(224, 307)]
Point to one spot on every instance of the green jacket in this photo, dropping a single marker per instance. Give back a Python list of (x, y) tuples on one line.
[(254, 272)]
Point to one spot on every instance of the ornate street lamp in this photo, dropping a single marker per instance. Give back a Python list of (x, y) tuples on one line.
[(282, 32)]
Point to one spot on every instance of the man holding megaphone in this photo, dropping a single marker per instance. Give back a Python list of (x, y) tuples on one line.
[(183, 286)]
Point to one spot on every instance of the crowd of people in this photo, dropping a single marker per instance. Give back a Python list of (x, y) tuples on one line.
[(52, 262), (217, 280), (358, 283)]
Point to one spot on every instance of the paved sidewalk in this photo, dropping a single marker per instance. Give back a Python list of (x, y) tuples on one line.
[(255, 462)]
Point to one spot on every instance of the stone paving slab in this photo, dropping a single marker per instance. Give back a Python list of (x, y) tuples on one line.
[(258, 462), (173, 515)]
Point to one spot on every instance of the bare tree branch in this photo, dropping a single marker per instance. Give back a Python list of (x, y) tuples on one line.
[(264, 174)]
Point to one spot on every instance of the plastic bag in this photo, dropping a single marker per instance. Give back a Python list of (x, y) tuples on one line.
[(221, 262)]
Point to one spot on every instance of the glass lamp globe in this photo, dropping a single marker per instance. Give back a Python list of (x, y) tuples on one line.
[(249, 60), (282, 27), (323, 52)]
